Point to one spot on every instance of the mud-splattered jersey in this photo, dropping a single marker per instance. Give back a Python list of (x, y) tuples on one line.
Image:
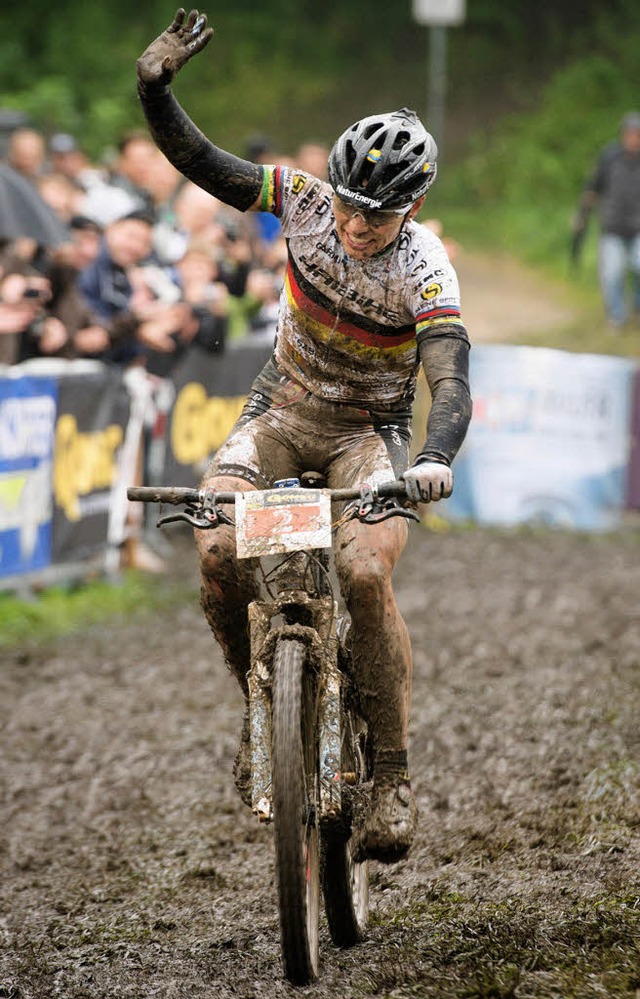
[(349, 329)]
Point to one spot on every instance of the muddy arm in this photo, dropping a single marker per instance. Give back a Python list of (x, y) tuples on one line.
[(445, 358), (235, 181)]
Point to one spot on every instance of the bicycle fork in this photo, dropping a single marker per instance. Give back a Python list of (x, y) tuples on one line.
[(322, 657)]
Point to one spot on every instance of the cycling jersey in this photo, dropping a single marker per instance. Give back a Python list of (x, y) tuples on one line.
[(349, 329)]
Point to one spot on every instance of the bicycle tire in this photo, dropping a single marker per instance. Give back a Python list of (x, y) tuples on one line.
[(294, 786), (345, 882)]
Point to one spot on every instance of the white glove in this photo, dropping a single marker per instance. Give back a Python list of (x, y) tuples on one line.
[(428, 481)]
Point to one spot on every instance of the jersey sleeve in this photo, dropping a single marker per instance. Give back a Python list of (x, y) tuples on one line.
[(292, 194), (436, 295)]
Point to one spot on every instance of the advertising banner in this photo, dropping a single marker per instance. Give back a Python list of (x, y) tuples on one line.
[(633, 491), (549, 440), (93, 408), (210, 391), (27, 420)]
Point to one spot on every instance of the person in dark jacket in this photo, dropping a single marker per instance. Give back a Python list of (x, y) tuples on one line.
[(613, 187)]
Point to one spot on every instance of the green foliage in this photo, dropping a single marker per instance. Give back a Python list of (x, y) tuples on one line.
[(543, 86), (518, 187), (63, 609)]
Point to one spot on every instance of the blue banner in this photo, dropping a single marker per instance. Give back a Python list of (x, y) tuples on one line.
[(27, 421), (549, 440)]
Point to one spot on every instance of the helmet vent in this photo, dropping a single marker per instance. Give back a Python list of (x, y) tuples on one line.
[(350, 155), (401, 139)]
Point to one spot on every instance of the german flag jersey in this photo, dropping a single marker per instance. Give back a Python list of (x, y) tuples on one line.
[(348, 329)]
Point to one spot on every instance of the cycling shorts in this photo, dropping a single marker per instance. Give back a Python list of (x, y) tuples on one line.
[(285, 430)]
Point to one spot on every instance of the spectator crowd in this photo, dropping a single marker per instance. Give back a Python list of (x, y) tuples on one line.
[(145, 263), (128, 263)]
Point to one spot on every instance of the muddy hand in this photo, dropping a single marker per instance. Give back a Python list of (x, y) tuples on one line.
[(160, 62)]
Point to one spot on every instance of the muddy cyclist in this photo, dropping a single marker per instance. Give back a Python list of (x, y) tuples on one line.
[(369, 296)]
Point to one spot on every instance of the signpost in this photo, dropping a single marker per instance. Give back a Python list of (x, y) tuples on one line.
[(438, 15)]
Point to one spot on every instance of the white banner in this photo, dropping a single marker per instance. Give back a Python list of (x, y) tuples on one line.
[(549, 440)]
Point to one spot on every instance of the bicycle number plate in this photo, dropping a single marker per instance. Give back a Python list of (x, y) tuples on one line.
[(275, 521)]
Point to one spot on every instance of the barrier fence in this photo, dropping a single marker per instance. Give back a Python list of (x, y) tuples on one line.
[(554, 437)]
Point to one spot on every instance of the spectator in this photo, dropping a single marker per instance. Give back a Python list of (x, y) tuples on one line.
[(614, 187), (204, 220), (62, 194), (106, 283), (88, 337), (134, 166), (26, 152), (314, 158), (262, 302), (61, 323), (30, 329), (139, 300), (22, 294), (67, 158)]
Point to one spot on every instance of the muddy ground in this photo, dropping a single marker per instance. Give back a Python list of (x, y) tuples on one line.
[(131, 870)]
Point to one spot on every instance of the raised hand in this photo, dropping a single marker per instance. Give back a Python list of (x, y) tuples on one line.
[(160, 62)]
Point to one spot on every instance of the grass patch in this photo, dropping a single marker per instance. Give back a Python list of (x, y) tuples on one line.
[(475, 948), (61, 610)]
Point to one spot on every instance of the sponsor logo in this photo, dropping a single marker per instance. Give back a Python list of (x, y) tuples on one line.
[(26, 427), (298, 182), (431, 291), (201, 423), (362, 199), (84, 463), (374, 155)]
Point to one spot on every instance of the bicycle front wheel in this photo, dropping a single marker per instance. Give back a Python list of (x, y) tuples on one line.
[(295, 783)]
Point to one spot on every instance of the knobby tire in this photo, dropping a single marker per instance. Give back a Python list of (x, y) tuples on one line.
[(294, 778), (345, 882)]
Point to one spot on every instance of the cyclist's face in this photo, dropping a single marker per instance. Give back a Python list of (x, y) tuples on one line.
[(362, 232)]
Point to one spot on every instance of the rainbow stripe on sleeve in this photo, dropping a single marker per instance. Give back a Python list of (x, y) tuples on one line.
[(271, 198), (447, 316)]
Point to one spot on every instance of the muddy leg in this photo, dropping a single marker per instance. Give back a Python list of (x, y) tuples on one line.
[(228, 586), (365, 558)]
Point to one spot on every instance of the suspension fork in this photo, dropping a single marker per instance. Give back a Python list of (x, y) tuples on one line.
[(322, 641)]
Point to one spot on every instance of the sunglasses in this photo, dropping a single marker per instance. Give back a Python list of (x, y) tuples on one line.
[(375, 218)]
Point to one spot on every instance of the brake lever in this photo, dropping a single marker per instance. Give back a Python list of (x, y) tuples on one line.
[(371, 509), (391, 508), (205, 516)]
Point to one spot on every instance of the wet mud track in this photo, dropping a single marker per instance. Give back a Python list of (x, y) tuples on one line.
[(131, 869)]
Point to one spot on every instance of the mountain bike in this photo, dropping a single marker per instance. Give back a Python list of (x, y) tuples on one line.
[(310, 755)]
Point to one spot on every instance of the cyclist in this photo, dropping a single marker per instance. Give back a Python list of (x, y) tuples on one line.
[(369, 296)]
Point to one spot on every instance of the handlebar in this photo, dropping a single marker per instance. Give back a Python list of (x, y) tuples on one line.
[(177, 495), (370, 504)]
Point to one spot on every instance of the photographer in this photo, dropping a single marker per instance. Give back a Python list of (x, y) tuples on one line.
[(27, 328)]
